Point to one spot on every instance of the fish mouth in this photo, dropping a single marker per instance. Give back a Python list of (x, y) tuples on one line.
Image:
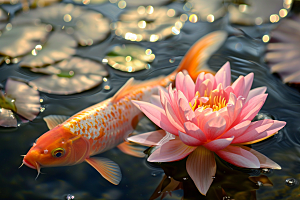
[(28, 164)]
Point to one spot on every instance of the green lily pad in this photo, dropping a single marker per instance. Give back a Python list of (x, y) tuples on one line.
[(87, 26), (7, 118), (25, 98), (206, 10), (149, 24), (69, 76), (130, 58), (258, 12), (20, 40), (58, 47)]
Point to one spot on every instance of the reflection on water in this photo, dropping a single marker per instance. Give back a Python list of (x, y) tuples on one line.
[(142, 180)]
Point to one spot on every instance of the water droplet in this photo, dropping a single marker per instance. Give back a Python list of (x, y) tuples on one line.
[(42, 109), (7, 61), (148, 66), (226, 197), (156, 173), (239, 46), (106, 87), (213, 177), (185, 178), (169, 176), (291, 182), (41, 100), (193, 18), (105, 79), (172, 60), (19, 124), (259, 183), (266, 171), (70, 196)]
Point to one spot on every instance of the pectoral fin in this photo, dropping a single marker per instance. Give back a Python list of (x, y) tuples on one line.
[(131, 149), (54, 120), (107, 168)]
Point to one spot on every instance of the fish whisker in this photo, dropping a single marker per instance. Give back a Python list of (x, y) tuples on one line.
[(21, 165)]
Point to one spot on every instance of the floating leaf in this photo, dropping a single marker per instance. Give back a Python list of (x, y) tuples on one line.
[(20, 40), (86, 2), (7, 118), (206, 10), (283, 50), (130, 58), (69, 76), (85, 25), (26, 99), (149, 23), (3, 19), (135, 3), (258, 12), (58, 47)]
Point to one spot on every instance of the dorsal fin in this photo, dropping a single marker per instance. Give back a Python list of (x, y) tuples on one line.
[(124, 90), (54, 120), (132, 85)]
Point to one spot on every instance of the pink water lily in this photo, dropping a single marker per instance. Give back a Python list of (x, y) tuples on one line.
[(207, 117)]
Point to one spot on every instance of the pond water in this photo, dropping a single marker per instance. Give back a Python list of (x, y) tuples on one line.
[(244, 49)]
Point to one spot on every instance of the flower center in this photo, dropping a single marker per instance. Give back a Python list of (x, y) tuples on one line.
[(213, 100)]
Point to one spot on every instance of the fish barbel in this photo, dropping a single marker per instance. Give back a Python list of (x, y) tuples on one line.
[(107, 124)]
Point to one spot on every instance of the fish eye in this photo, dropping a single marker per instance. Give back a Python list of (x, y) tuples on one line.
[(58, 152)]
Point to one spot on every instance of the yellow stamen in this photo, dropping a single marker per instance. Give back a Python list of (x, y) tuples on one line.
[(216, 103)]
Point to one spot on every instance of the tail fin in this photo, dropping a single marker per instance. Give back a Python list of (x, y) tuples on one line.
[(195, 60)]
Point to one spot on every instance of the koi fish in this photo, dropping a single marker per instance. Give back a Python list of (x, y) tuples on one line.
[(107, 124)]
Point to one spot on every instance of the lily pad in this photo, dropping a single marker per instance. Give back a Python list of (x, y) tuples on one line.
[(7, 118), (207, 10), (85, 25), (26, 99), (18, 98), (58, 47), (257, 12), (283, 54), (3, 18), (69, 76), (130, 58), (86, 2), (20, 40), (135, 3), (149, 24)]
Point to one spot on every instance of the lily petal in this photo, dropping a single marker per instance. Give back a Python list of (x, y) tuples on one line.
[(192, 130), (237, 130), (252, 107), (156, 115), (214, 126), (224, 75), (265, 162), (179, 81), (148, 139), (155, 99), (189, 140), (201, 166), (189, 87), (172, 117), (256, 92), (272, 130), (218, 144), (239, 157), (171, 151), (239, 86), (253, 131), (248, 84)]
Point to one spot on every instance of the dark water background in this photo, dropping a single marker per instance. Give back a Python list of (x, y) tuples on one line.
[(245, 51)]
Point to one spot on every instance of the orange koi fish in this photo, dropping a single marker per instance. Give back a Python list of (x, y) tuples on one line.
[(107, 124)]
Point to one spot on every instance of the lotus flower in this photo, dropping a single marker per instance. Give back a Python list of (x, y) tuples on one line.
[(211, 116)]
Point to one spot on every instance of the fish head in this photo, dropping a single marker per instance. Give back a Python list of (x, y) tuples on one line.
[(57, 147)]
